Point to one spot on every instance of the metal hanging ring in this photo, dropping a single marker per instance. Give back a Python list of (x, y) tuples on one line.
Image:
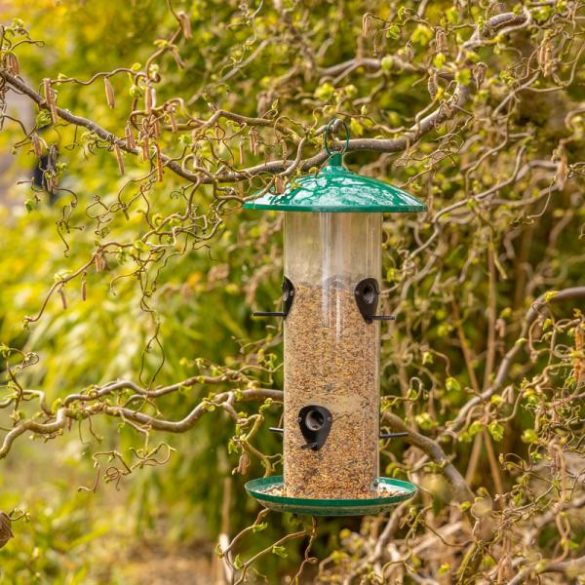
[(327, 132)]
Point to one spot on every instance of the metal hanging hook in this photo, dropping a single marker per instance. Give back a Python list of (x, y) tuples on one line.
[(326, 134)]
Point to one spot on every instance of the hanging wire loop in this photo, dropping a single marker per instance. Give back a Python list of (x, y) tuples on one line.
[(329, 129)]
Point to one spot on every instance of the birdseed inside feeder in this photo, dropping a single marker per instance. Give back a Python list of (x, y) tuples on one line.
[(332, 274)]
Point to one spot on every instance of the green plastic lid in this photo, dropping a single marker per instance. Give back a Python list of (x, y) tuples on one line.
[(336, 189)]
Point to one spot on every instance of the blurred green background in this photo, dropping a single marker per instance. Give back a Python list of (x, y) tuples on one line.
[(160, 524)]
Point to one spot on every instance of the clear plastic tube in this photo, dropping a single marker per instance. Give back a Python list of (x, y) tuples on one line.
[(331, 353)]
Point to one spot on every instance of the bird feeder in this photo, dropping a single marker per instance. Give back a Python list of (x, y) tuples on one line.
[(331, 290)]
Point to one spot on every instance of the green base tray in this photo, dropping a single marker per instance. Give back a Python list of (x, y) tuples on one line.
[(258, 489)]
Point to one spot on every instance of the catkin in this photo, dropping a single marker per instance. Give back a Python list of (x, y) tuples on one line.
[(110, 95)]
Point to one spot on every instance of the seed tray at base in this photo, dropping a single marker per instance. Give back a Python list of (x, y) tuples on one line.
[(260, 490)]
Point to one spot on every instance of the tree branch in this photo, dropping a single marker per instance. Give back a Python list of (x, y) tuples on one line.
[(446, 110), (462, 492), (69, 413), (571, 568), (567, 294)]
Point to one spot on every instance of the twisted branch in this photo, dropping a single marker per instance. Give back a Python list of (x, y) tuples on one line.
[(499, 24)]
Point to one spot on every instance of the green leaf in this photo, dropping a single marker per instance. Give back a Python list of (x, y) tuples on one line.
[(393, 32), (496, 430), (452, 15), (325, 92), (279, 551), (463, 77), (475, 428), (43, 119), (444, 568), (439, 60), (464, 506), (422, 35), (424, 421), (387, 62), (356, 128)]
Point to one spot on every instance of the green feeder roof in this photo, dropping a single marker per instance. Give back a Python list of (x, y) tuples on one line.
[(336, 189)]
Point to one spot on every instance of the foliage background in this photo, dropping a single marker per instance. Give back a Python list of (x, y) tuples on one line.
[(502, 175)]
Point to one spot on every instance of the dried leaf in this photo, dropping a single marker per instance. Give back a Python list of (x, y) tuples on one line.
[(579, 359), (149, 99), (119, 158), (441, 45), (5, 529), (63, 297), (433, 85), (129, 137), (279, 184), (159, 164), (545, 56), (110, 97), (365, 24), (50, 99), (100, 262), (478, 73), (36, 145), (562, 170), (243, 464), (241, 149), (173, 120), (11, 64), (145, 147), (185, 23)]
